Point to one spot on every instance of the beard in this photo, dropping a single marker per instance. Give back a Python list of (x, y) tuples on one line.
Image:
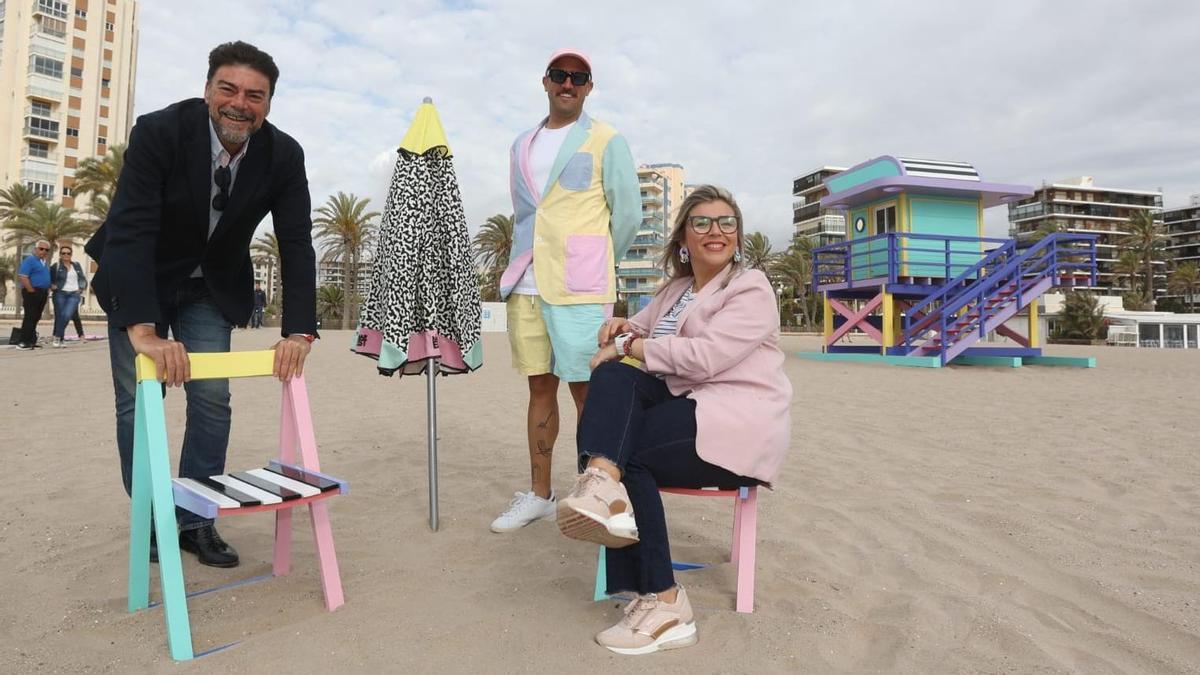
[(230, 134)]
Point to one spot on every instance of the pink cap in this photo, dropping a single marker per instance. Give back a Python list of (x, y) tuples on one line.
[(570, 52)]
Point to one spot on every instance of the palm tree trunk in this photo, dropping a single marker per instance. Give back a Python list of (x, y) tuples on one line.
[(1149, 282), (347, 261)]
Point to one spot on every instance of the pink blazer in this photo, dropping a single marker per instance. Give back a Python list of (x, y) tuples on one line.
[(726, 357)]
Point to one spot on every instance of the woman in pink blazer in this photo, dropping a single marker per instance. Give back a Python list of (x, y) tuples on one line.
[(711, 409)]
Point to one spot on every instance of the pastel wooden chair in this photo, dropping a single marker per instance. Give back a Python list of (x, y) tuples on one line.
[(741, 553), (280, 486)]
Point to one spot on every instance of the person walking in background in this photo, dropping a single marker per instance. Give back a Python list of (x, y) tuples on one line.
[(34, 278), (260, 303), (577, 207), (68, 283), (170, 259)]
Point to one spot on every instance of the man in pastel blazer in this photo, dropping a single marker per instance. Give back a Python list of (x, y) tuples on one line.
[(577, 207)]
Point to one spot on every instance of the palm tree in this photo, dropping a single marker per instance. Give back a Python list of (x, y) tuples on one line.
[(493, 246), (1082, 316), (1127, 266), (1148, 240), (98, 176), (52, 222), (757, 251), (330, 303), (794, 268), (1185, 280), (14, 201), (265, 251), (345, 230)]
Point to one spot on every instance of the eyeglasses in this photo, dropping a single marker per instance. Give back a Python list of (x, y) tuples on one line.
[(43, 248), (578, 77), (221, 177), (702, 224), (64, 253)]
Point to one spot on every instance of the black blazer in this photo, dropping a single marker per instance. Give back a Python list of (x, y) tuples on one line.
[(156, 232)]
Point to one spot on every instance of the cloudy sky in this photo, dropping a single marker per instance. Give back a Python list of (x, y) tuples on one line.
[(748, 95)]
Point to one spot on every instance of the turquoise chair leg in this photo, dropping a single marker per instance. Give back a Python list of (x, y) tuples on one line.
[(598, 593), (139, 518), (170, 568)]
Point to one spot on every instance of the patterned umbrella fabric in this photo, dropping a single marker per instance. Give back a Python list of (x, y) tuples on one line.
[(424, 297)]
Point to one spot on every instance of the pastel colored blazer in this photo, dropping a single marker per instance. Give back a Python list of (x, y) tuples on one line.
[(574, 229), (725, 356)]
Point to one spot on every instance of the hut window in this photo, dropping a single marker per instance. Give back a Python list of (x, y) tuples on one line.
[(885, 219)]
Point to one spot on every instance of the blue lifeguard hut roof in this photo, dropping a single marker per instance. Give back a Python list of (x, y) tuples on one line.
[(886, 176)]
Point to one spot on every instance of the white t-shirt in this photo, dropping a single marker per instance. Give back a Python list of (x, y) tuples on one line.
[(542, 153), (72, 283)]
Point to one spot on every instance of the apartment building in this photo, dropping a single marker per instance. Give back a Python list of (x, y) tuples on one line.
[(1079, 205), (638, 272), (67, 71), (809, 218)]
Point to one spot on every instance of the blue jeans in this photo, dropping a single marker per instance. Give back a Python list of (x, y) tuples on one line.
[(65, 306), (634, 421), (196, 322)]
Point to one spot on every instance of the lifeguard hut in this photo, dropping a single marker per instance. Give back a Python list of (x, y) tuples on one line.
[(917, 277)]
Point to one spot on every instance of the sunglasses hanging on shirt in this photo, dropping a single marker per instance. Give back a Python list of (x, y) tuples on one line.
[(221, 177)]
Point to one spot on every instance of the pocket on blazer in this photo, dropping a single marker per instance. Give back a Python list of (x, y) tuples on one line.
[(587, 263), (577, 174)]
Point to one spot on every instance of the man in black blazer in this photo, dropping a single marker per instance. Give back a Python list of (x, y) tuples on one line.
[(199, 176)]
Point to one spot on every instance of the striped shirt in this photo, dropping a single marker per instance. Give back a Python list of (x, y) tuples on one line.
[(669, 323)]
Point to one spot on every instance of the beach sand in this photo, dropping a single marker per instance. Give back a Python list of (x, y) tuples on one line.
[(966, 519)]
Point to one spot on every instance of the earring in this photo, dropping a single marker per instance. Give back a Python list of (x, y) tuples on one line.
[(737, 256), (684, 256)]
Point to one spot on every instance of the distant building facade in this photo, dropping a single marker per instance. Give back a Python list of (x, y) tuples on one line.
[(809, 218), (1078, 205), (638, 272)]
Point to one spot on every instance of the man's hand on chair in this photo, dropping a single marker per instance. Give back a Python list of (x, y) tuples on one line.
[(289, 356), (170, 358)]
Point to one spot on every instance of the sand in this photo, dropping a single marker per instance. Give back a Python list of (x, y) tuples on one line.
[(968, 519)]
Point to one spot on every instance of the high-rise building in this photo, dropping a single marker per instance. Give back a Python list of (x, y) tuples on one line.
[(1183, 232), (638, 272), (67, 72), (809, 218), (1078, 205)]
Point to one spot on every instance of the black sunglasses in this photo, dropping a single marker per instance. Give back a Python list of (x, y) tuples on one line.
[(578, 77), (221, 177)]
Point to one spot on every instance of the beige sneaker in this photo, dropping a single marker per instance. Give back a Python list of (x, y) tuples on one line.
[(651, 625), (598, 510)]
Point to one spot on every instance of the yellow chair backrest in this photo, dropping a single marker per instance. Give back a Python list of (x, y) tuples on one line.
[(210, 366)]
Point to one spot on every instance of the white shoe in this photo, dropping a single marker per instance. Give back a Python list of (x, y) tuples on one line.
[(525, 508), (57, 343)]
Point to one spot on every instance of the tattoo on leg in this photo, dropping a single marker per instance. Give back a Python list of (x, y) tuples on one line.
[(546, 422), (543, 449)]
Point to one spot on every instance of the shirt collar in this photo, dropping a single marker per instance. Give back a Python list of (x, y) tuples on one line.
[(216, 147)]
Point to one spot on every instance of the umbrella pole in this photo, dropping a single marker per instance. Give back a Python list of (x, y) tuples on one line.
[(431, 401)]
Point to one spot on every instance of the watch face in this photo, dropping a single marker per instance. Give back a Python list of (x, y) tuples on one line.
[(860, 224)]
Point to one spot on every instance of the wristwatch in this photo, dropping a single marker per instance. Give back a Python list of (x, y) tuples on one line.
[(623, 342)]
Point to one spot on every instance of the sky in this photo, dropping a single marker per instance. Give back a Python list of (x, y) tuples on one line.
[(748, 95)]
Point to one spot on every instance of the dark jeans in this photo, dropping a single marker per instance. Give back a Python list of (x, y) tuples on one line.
[(256, 319), (632, 419), (196, 322), (34, 303), (65, 306), (77, 320)]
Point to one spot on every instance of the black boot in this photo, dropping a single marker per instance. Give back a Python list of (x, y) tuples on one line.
[(208, 547)]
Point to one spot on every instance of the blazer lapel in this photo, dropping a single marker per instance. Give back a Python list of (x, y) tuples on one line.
[(571, 143), (199, 171), (705, 293), (250, 176)]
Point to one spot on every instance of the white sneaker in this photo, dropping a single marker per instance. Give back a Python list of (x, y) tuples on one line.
[(525, 508), (57, 344)]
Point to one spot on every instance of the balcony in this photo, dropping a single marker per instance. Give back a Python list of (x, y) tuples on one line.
[(649, 240), (641, 273), (806, 212), (51, 156), (40, 132), (52, 8), (43, 87)]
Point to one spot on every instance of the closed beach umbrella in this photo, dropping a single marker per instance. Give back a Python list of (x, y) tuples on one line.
[(422, 312)]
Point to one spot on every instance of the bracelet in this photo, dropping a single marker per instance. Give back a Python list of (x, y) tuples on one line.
[(629, 344)]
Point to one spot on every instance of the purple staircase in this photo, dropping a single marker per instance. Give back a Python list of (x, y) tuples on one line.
[(982, 298)]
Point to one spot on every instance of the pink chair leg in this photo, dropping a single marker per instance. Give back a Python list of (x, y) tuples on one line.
[(737, 528), (283, 542), (745, 543), (331, 579)]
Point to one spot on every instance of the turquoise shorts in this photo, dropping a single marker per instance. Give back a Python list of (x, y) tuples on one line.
[(558, 339)]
